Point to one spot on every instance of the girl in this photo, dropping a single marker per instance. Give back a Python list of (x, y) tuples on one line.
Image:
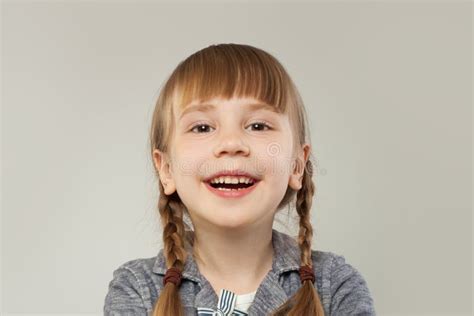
[(230, 147)]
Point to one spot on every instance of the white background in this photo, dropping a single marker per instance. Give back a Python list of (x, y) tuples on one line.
[(387, 87)]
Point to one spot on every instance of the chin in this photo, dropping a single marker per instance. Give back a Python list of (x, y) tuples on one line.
[(232, 222), (229, 220)]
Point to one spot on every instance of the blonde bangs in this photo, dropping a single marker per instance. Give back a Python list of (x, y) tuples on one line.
[(227, 72)]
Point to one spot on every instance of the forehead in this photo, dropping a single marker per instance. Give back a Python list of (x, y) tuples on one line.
[(212, 105)]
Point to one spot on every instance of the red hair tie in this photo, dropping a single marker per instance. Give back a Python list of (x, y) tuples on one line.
[(306, 273), (173, 275)]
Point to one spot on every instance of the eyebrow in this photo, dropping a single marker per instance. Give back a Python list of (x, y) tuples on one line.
[(206, 107)]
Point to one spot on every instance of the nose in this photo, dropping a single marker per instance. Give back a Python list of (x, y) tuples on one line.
[(231, 144)]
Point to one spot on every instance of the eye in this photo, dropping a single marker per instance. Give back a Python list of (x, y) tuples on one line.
[(200, 127), (261, 124), (203, 128)]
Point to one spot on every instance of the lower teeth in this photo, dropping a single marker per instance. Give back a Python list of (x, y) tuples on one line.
[(224, 189)]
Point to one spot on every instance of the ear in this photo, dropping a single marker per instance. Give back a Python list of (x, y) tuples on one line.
[(162, 164), (299, 166)]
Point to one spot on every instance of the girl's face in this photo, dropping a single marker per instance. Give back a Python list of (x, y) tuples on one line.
[(228, 135)]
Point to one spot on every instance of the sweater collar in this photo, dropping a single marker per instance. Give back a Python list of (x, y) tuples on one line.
[(270, 293)]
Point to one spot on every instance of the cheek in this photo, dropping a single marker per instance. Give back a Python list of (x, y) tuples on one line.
[(275, 160), (188, 166), (190, 159)]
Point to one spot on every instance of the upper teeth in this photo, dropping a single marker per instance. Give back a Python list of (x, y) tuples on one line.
[(232, 180)]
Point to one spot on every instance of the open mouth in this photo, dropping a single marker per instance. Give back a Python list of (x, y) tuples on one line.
[(231, 190), (231, 186)]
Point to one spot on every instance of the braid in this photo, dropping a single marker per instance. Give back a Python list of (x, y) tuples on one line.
[(304, 199), (171, 212), (306, 300), (173, 232)]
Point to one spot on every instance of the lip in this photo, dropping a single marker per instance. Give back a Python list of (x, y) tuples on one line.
[(231, 193), (234, 173)]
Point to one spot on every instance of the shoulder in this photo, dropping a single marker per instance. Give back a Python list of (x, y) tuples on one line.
[(143, 265), (136, 271), (344, 288), (132, 287), (334, 266)]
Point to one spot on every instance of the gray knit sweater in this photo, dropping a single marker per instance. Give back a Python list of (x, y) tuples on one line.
[(136, 284)]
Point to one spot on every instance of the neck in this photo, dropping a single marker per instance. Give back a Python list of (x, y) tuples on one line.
[(234, 259)]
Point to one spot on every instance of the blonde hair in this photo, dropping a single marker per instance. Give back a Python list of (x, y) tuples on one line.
[(227, 71)]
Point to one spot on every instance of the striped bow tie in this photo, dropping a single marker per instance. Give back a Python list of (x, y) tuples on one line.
[(225, 306)]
